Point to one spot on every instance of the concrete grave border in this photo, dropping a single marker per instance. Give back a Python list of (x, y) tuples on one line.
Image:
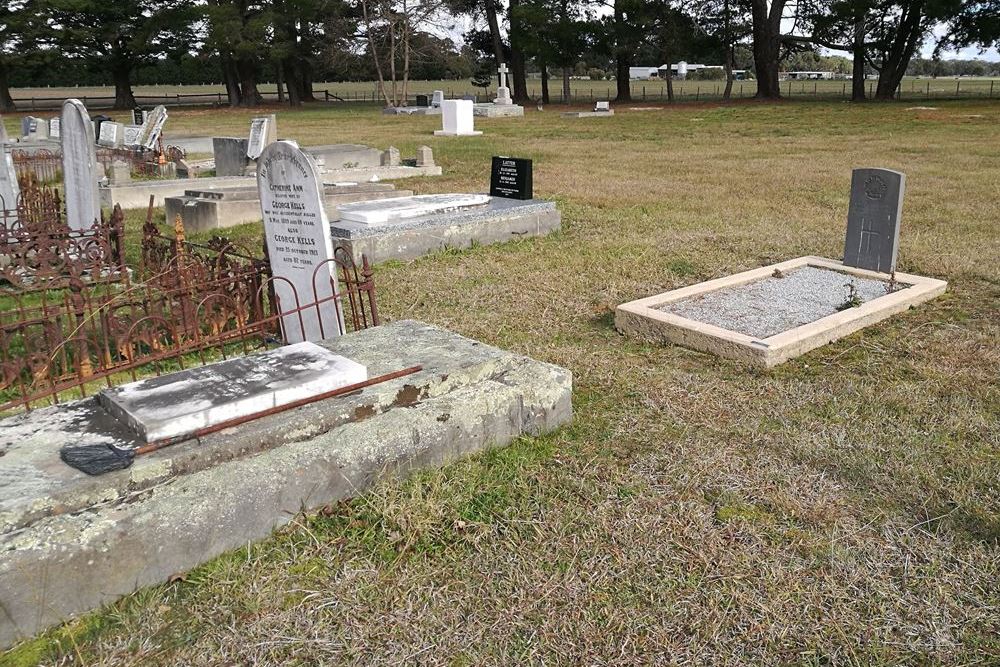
[(642, 318)]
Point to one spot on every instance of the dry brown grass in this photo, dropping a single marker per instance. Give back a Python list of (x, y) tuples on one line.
[(841, 509)]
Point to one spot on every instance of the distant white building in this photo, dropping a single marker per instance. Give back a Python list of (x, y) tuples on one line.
[(643, 73), (807, 75), (679, 70)]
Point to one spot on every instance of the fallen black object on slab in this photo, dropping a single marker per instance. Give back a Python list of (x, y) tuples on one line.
[(97, 459)]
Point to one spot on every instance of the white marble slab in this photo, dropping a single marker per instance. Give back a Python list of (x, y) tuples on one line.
[(181, 403), (402, 208)]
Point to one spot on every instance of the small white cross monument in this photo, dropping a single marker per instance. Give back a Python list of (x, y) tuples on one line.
[(503, 92)]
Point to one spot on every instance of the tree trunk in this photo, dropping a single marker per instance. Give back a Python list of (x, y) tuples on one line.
[(897, 59), (306, 71), (728, 39), (248, 82), (858, 66), (545, 83), (567, 98), (623, 84), (232, 77), (767, 46), (6, 101), (292, 83), (519, 82), (495, 38), (122, 74), (279, 80)]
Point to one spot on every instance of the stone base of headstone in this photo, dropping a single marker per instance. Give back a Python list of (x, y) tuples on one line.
[(497, 110), (588, 114), (192, 501)]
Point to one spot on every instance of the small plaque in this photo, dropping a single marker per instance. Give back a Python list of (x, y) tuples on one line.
[(511, 178)]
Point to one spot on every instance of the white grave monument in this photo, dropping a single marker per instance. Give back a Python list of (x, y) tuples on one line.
[(403, 208), (457, 119), (83, 201), (131, 135), (9, 189), (153, 127), (111, 134), (503, 92), (437, 99), (299, 244), (54, 128), (263, 132)]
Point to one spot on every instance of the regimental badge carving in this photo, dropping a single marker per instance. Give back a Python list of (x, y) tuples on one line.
[(875, 187)]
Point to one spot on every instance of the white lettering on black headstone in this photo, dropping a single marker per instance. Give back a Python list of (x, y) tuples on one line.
[(511, 178)]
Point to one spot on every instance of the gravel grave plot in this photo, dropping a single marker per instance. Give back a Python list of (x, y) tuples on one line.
[(774, 305)]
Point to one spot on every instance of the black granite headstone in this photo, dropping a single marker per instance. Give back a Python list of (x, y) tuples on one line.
[(138, 116), (873, 219), (511, 178), (423, 101)]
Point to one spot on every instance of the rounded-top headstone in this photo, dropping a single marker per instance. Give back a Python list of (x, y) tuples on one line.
[(79, 155)]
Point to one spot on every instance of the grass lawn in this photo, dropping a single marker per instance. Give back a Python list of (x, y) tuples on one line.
[(841, 509)]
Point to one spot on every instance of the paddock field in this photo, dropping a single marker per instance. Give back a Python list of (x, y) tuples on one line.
[(841, 509), (913, 88)]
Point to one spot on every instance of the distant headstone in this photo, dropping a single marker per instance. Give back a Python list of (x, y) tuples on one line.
[(299, 244), (437, 98), (138, 116), (9, 189), (425, 156), (503, 92), (153, 127), (3, 133), (26, 125), (131, 135), (54, 128), (263, 132), (423, 101), (111, 134), (99, 120), (457, 119), (120, 172), (79, 155), (230, 156), (510, 178), (873, 219), (390, 157), (603, 105)]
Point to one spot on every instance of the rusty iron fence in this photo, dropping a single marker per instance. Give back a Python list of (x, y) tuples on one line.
[(185, 304), (45, 166)]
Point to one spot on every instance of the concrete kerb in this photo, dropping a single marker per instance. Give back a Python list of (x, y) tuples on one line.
[(644, 319), (72, 543)]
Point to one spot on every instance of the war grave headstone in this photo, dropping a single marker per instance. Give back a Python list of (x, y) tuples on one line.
[(299, 244), (769, 315), (457, 119), (510, 177), (79, 156), (407, 227), (873, 219), (502, 105), (111, 134), (263, 132)]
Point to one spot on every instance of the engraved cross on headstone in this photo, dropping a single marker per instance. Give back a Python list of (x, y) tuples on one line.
[(873, 219)]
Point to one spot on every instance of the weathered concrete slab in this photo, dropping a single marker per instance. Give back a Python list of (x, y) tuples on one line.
[(489, 110), (655, 318), (588, 114), (136, 194), (71, 542), (181, 403), (402, 208), (500, 221), (205, 210)]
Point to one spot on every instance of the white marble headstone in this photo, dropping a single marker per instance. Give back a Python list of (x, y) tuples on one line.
[(299, 245), (153, 127), (263, 131), (456, 119), (437, 98), (83, 202), (9, 189), (111, 134), (54, 128), (131, 135)]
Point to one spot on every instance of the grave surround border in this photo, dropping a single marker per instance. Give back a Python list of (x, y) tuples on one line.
[(642, 317)]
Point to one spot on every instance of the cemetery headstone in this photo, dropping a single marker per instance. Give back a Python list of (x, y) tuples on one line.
[(503, 92), (230, 155), (9, 189), (510, 178), (873, 219), (79, 155), (111, 134), (138, 116), (390, 157), (26, 125), (602, 106), (3, 132), (120, 172), (437, 98), (457, 119), (263, 132), (131, 135), (54, 128), (299, 244), (99, 120), (423, 101), (153, 127), (425, 156)]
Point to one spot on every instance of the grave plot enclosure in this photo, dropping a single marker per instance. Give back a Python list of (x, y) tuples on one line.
[(769, 315)]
